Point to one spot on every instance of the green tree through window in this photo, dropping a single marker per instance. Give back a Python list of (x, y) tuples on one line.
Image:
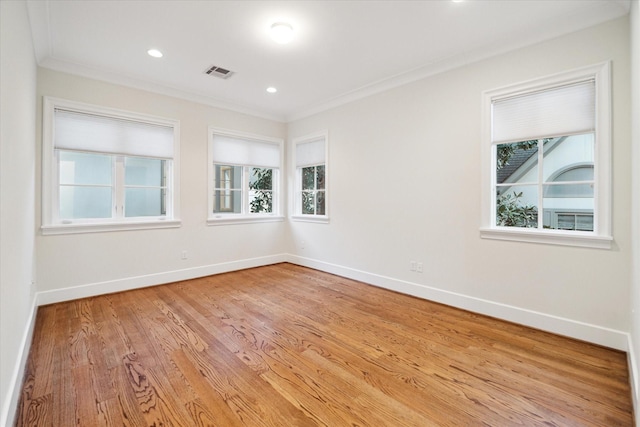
[(261, 190)]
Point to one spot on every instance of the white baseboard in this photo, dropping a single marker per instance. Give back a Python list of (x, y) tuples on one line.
[(10, 403), (559, 325), (571, 328), (562, 326), (634, 379), (129, 283)]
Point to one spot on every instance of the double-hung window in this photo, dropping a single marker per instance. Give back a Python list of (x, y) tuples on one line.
[(244, 177), (106, 169), (548, 147), (310, 199)]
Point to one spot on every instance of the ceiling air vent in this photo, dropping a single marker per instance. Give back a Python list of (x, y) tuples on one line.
[(218, 72)]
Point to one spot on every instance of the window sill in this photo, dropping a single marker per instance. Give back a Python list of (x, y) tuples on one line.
[(320, 219), (580, 239), (244, 219), (95, 227)]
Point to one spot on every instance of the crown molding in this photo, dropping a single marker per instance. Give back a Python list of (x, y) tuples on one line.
[(159, 88)]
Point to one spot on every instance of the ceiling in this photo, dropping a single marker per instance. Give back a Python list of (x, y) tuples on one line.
[(341, 51)]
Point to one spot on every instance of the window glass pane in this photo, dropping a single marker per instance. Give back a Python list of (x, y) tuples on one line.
[(568, 151), (308, 202), (320, 203), (227, 200), (564, 202), (85, 202), (308, 178), (320, 177), (584, 222), (580, 173), (568, 191), (144, 202), (260, 190), (228, 177), (227, 196), (565, 159), (573, 221), (261, 179), (566, 222), (517, 162), (516, 206), (261, 201), (312, 195), (144, 172), (85, 168)]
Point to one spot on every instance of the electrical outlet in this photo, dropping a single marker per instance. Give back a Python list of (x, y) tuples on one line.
[(419, 267), (413, 266)]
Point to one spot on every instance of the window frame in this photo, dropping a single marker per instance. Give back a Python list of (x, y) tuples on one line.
[(244, 217), (296, 209), (601, 237), (52, 224)]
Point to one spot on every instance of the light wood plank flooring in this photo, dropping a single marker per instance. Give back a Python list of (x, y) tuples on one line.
[(284, 345)]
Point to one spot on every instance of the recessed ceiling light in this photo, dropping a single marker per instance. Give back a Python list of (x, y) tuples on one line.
[(272, 89), (282, 32), (155, 53)]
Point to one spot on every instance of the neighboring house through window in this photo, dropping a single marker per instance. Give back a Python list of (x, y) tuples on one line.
[(244, 177), (107, 169), (310, 199), (548, 144)]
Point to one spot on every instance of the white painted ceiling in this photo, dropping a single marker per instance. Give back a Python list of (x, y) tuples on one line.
[(342, 50)]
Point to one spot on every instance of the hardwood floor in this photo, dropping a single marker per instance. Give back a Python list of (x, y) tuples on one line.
[(283, 345)]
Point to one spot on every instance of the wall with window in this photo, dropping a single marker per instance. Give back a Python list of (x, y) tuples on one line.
[(405, 171), (17, 195), (112, 260)]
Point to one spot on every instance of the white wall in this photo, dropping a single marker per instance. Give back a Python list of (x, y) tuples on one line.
[(635, 213), (404, 165), (17, 195), (405, 172), (72, 266)]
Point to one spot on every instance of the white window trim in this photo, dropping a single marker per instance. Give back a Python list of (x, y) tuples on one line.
[(50, 224), (222, 218), (601, 237), (296, 215)]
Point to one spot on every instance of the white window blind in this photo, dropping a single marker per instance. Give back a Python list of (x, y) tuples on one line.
[(95, 133), (310, 153), (246, 152), (562, 110)]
